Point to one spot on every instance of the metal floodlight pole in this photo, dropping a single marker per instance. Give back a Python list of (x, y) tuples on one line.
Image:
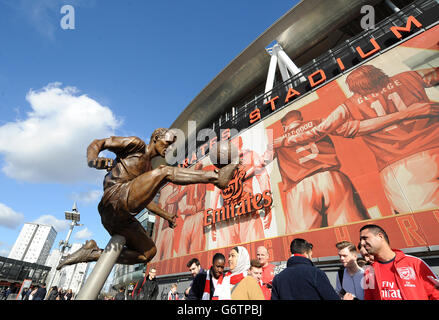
[(74, 216), (65, 243), (90, 290)]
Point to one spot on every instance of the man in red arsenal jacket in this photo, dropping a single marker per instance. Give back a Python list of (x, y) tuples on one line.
[(394, 275)]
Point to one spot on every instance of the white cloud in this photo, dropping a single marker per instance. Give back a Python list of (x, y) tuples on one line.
[(87, 197), (9, 218), (59, 225), (83, 234), (50, 144)]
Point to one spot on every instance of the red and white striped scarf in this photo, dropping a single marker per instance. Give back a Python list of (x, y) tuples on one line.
[(227, 283), (206, 293)]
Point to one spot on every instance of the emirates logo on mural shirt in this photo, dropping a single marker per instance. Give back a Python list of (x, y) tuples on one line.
[(236, 202)]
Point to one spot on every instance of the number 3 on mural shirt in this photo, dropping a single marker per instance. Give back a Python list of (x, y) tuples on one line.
[(312, 147)]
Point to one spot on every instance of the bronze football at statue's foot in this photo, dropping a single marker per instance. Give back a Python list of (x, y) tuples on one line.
[(225, 174)]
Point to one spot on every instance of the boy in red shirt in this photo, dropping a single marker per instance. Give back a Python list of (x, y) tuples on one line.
[(256, 272)]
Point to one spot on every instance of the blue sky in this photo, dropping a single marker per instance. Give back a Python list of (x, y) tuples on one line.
[(128, 67)]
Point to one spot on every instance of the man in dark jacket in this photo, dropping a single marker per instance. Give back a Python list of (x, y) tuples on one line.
[(195, 268), (301, 280), (147, 288), (121, 294), (41, 293), (203, 285)]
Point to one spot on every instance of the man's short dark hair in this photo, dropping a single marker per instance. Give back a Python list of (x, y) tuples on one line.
[(375, 229), (346, 244), (218, 256), (254, 263), (192, 261), (300, 246)]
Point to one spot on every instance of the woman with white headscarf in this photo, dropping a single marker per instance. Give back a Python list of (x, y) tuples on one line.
[(236, 285)]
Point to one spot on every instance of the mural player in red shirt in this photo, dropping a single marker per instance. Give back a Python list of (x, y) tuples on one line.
[(398, 122), (318, 194)]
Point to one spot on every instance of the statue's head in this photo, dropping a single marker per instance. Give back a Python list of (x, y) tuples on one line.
[(161, 139)]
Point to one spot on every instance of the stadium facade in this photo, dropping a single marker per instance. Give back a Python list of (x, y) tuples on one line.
[(337, 166)]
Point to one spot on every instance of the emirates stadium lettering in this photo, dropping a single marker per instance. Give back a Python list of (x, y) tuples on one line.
[(236, 202), (318, 77), (315, 79)]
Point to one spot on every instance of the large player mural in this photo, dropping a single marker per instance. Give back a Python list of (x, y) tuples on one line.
[(363, 146)]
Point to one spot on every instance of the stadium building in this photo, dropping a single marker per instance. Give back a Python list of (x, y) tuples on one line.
[(304, 103)]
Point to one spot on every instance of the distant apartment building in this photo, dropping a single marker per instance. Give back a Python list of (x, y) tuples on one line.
[(33, 243), (70, 277)]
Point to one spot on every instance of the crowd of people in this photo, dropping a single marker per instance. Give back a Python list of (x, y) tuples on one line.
[(371, 270), (5, 292), (39, 292), (56, 293)]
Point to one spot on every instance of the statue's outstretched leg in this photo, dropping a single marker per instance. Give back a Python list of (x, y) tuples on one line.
[(89, 252)]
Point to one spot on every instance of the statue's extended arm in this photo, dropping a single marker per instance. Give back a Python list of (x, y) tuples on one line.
[(117, 145), (93, 159), (171, 218)]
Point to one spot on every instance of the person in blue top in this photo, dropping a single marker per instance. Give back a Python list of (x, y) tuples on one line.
[(301, 280)]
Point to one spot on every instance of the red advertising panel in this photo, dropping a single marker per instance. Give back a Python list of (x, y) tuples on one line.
[(363, 148)]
